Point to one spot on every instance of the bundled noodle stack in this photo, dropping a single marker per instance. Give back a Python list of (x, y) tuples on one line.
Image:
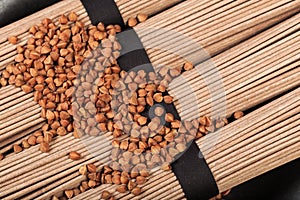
[(261, 141), (265, 139), (200, 19), (250, 73), (201, 30), (241, 63)]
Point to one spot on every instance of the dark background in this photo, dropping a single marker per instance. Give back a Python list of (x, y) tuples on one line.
[(280, 184)]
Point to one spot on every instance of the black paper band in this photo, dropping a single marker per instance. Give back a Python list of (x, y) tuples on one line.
[(133, 55), (14, 10), (194, 175), (191, 168), (137, 62), (105, 11)]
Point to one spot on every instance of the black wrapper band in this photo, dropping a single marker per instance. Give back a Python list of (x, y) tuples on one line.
[(191, 168), (105, 11), (194, 175), (133, 55), (14, 10)]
